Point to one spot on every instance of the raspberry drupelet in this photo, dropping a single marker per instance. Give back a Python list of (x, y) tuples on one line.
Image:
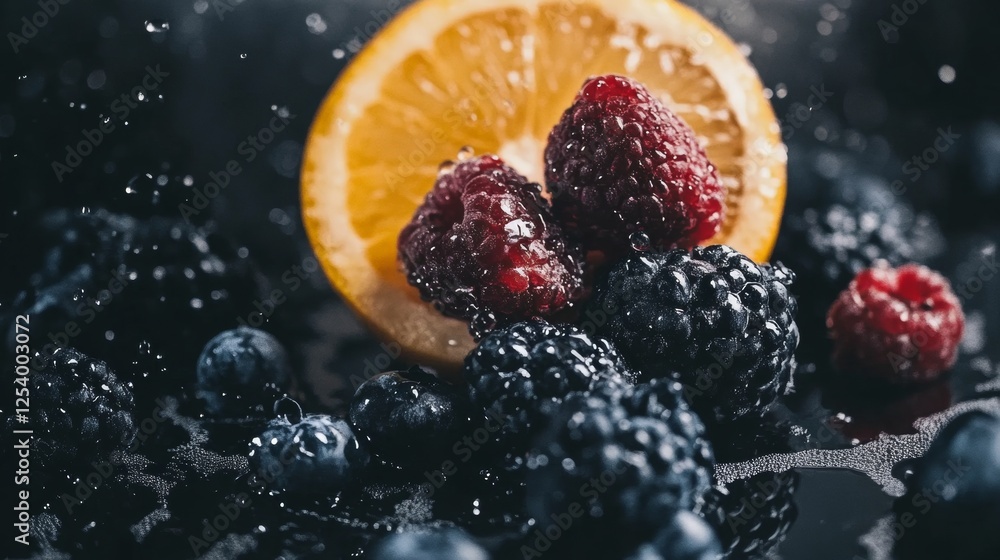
[(484, 247), (898, 325)]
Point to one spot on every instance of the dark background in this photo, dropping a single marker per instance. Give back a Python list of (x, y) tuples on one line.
[(897, 72)]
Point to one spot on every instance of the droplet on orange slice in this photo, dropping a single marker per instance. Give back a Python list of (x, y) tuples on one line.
[(496, 75)]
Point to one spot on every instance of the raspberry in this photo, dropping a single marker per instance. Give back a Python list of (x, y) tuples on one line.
[(453, 544), (409, 419), (898, 325), (624, 463), (80, 411), (711, 317), (523, 372), (620, 162), (954, 494), (484, 247), (860, 222), (316, 455), (242, 372)]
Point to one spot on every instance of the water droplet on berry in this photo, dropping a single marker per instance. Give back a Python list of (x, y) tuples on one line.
[(157, 26), (466, 153), (640, 241), (446, 167)]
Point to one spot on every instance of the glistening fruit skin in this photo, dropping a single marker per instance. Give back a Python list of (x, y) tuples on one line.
[(242, 372), (524, 371), (409, 419), (624, 462), (720, 323), (954, 494), (620, 162), (317, 454), (451, 544), (80, 411), (484, 247), (896, 325)]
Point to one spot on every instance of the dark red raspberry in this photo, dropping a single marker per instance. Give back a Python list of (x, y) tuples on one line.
[(620, 162), (898, 325), (484, 247)]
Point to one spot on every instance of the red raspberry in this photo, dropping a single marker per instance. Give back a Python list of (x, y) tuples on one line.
[(898, 325), (484, 247), (620, 162)]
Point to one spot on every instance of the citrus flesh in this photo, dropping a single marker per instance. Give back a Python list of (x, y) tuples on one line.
[(494, 77)]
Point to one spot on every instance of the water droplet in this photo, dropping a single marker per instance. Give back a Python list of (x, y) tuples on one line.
[(315, 24), (157, 26), (339, 54), (446, 167), (947, 74), (640, 241), (466, 153), (243, 56)]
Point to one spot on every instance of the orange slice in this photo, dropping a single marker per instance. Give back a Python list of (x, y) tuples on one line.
[(496, 75)]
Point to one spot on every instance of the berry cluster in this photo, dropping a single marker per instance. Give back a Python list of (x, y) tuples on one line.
[(485, 245), (598, 439)]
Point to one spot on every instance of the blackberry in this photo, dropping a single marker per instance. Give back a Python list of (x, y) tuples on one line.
[(752, 516), (860, 222), (409, 419), (721, 324), (617, 464), (242, 372), (318, 455), (524, 371), (952, 505), (898, 326), (687, 537), (80, 411), (108, 283), (620, 162), (452, 544), (484, 247)]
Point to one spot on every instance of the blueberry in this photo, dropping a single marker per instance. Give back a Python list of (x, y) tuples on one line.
[(317, 455), (242, 372), (952, 507), (452, 544), (687, 537), (409, 419)]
